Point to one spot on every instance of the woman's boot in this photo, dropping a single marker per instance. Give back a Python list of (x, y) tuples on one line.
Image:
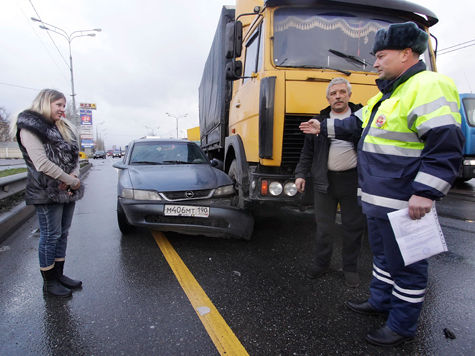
[(66, 281), (52, 286)]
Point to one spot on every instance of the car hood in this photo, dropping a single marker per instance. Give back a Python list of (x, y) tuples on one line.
[(168, 178)]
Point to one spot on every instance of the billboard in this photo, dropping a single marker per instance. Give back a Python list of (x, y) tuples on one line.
[(87, 143), (86, 117), (87, 106)]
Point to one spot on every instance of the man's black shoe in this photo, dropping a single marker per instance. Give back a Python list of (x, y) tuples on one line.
[(316, 272), (365, 308), (386, 337)]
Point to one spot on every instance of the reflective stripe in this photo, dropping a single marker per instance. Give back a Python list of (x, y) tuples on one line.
[(383, 279), (379, 270), (429, 108), (408, 299), (433, 181), (438, 121), (391, 150), (410, 291), (359, 114), (358, 192), (383, 201), (393, 135), (331, 128)]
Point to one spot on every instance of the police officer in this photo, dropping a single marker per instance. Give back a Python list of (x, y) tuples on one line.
[(409, 155)]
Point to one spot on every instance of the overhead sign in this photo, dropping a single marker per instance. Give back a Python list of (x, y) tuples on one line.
[(87, 106), (86, 117), (86, 136)]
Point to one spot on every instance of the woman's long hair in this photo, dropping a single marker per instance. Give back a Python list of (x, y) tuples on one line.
[(42, 105)]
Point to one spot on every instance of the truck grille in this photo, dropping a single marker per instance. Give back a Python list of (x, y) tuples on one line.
[(292, 141)]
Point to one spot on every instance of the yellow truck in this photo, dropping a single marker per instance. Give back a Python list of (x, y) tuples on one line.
[(267, 71)]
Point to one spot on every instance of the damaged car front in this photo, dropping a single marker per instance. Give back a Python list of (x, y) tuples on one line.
[(170, 185)]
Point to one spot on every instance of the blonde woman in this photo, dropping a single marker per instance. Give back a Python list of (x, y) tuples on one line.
[(50, 148)]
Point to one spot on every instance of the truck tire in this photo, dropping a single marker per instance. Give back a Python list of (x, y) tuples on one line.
[(236, 176), (124, 226)]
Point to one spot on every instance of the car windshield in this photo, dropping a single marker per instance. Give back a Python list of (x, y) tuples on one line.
[(167, 153), (317, 38)]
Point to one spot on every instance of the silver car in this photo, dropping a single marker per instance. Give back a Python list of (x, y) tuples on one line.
[(170, 185)]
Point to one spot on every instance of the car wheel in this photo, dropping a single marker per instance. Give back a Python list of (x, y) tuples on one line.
[(124, 225)]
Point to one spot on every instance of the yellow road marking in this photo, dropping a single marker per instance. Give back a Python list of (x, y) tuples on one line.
[(220, 333)]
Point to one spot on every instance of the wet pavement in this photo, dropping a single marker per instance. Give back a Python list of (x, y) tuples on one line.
[(133, 304)]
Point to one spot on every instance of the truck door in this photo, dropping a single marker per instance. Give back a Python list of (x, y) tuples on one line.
[(244, 106)]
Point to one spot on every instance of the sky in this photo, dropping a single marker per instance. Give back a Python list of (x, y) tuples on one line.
[(148, 59)]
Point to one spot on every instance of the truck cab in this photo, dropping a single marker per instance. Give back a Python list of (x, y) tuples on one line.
[(467, 112)]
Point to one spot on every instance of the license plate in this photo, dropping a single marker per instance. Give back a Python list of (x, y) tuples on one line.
[(186, 210)]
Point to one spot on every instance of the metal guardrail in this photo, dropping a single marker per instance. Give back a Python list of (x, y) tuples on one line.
[(11, 185), (16, 183)]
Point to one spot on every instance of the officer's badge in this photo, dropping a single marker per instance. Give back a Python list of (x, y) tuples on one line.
[(380, 121)]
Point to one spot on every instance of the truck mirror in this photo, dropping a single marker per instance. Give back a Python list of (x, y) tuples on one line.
[(238, 39), (233, 39), (233, 70)]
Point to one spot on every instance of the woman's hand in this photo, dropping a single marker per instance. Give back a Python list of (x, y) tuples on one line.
[(77, 185)]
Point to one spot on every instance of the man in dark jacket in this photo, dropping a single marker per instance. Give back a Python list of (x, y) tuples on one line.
[(332, 164)]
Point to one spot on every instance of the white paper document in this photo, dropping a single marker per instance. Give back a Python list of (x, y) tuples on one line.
[(417, 239)]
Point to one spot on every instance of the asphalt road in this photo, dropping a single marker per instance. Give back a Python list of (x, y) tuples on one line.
[(132, 302)]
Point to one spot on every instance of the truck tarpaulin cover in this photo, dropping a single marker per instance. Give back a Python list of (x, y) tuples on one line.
[(215, 90)]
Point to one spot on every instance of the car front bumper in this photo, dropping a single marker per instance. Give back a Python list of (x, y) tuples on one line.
[(224, 220)]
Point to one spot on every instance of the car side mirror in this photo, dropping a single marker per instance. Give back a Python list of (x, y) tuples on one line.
[(119, 165), (216, 163), (233, 70)]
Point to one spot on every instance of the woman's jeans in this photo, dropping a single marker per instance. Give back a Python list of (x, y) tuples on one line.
[(54, 220)]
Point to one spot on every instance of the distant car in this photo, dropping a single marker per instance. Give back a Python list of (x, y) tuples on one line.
[(116, 154), (170, 185), (99, 154)]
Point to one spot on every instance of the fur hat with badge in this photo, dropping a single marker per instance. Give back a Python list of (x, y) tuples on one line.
[(401, 36)]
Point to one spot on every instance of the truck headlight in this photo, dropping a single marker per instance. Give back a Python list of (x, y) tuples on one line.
[(224, 190), (290, 189), (137, 194), (275, 188)]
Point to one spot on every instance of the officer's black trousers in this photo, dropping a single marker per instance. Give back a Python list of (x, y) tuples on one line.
[(342, 189)]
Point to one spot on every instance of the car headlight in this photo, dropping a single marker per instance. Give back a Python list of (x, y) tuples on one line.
[(275, 188), (290, 189), (140, 194), (224, 190)]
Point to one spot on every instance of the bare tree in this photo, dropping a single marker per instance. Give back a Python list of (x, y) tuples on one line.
[(4, 125)]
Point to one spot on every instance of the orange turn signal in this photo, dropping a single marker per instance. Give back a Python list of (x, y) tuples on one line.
[(264, 187)]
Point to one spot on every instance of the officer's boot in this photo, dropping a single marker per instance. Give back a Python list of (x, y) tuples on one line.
[(52, 286), (64, 280)]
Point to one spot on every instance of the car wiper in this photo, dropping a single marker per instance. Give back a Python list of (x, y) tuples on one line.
[(326, 67), (145, 162), (350, 57), (177, 162)]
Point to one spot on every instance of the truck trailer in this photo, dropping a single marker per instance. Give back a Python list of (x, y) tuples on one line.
[(267, 71)]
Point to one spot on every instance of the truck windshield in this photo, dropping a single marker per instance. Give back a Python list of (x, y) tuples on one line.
[(316, 38), (469, 104)]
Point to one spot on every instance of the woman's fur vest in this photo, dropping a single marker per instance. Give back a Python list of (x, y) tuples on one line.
[(41, 188)]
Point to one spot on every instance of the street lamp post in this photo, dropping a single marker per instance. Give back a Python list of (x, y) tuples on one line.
[(176, 118), (69, 37)]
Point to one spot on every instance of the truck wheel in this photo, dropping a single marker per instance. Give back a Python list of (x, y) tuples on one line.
[(235, 175), (124, 225)]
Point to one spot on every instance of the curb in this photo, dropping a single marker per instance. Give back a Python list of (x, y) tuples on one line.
[(13, 219)]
